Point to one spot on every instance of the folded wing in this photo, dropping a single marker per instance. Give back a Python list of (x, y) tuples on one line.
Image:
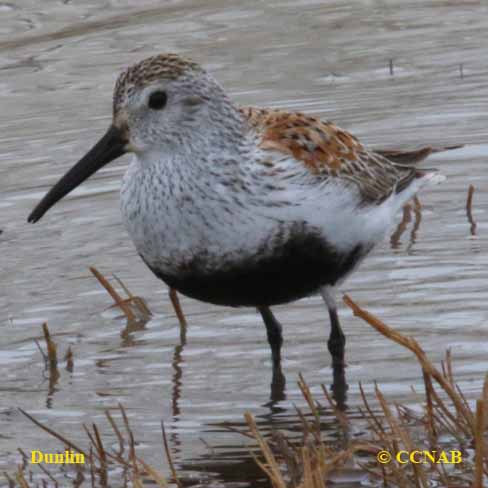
[(330, 152)]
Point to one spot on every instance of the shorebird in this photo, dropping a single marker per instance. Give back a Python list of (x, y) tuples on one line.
[(244, 206)]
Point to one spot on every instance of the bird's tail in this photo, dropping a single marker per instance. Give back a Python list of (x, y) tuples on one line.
[(412, 158)]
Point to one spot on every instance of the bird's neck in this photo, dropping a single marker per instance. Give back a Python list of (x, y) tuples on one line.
[(221, 137)]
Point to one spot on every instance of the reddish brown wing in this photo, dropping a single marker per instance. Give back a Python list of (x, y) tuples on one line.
[(328, 151), (322, 146)]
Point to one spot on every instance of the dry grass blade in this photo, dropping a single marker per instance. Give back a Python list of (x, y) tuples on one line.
[(20, 479), (231, 428), (394, 430), (457, 427), (479, 444), (448, 362), (48, 474), (154, 474), (134, 307), (50, 359), (307, 394), (92, 467), (43, 354), (139, 302), (121, 303), (271, 468), (307, 466), (51, 348), (136, 480), (91, 438), (374, 421), (99, 445), (412, 344), (116, 431), (11, 482), (402, 434), (99, 460), (306, 427), (288, 453), (54, 433), (485, 389), (339, 414), (430, 409), (308, 462), (312, 478)]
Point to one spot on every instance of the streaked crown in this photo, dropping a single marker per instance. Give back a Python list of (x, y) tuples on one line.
[(167, 66)]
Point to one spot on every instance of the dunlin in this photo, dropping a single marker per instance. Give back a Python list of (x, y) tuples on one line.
[(243, 206)]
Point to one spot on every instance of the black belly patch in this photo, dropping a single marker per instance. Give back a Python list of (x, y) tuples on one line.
[(296, 269)]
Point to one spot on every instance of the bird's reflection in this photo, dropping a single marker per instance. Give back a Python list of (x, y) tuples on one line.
[(178, 372), (177, 383), (53, 377), (50, 372), (228, 462), (469, 210), (127, 333), (277, 391), (339, 386)]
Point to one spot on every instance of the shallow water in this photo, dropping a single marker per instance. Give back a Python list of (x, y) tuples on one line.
[(58, 62)]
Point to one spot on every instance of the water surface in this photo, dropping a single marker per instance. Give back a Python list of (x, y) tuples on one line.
[(58, 63)]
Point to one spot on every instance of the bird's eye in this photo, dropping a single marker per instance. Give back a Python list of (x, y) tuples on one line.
[(157, 100)]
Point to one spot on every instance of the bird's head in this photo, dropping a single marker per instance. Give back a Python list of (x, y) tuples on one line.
[(161, 103)]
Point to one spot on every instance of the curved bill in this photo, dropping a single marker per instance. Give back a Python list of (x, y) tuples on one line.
[(109, 147)]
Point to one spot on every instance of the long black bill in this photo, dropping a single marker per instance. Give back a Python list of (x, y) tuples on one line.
[(109, 147)]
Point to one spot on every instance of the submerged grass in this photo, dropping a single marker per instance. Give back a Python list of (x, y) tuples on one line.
[(134, 307), (446, 421), (102, 467)]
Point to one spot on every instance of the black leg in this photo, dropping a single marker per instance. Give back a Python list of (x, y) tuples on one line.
[(337, 339), (275, 339), (336, 344)]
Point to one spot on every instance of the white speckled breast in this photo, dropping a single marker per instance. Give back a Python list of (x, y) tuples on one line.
[(179, 211)]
